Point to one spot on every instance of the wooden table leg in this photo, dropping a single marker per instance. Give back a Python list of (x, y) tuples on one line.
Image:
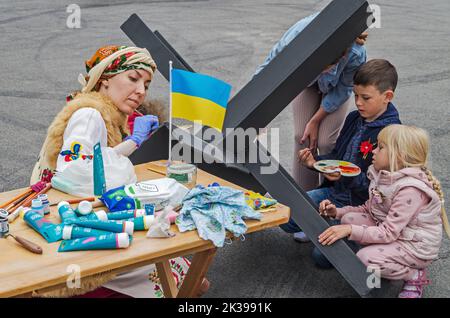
[(167, 280), (196, 273)]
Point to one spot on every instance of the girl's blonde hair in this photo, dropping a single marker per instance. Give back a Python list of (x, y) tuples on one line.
[(408, 146)]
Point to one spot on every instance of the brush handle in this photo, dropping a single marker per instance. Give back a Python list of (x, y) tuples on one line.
[(74, 201), (32, 247), (27, 202), (16, 198)]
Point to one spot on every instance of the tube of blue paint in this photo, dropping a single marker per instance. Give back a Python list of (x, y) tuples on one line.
[(48, 230), (67, 214), (110, 226), (97, 215), (126, 214), (142, 223), (72, 232), (102, 242)]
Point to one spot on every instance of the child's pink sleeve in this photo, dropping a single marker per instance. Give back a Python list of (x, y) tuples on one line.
[(361, 209), (405, 206)]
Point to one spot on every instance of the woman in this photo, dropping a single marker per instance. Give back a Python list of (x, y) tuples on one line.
[(115, 86), (320, 109)]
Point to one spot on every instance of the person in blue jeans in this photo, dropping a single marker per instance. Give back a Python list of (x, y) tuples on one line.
[(374, 86)]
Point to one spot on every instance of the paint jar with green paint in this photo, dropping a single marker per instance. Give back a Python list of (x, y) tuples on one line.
[(184, 173)]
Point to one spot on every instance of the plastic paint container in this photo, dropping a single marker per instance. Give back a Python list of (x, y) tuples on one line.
[(36, 206), (4, 226), (184, 173), (45, 203)]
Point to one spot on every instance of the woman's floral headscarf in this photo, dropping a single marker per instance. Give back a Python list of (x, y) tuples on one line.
[(112, 60)]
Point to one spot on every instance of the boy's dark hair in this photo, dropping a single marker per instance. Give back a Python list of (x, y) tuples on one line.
[(377, 72)]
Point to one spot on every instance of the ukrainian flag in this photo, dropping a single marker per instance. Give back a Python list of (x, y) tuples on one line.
[(199, 97)]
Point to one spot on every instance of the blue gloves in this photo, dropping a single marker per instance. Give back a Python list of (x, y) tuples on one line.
[(143, 127)]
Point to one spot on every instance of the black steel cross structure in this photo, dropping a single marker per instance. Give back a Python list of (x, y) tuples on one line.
[(257, 104)]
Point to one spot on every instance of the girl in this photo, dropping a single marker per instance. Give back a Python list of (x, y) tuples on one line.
[(116, 84), (401, 223)]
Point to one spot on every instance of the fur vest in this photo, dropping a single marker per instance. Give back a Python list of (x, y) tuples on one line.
[(115, 121)]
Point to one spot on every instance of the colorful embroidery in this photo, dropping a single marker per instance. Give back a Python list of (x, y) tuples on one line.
[(366, 147), (178, 267), (46, 175), (74, 153)]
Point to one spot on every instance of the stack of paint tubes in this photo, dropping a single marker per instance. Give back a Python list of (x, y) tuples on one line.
[(84, 229)]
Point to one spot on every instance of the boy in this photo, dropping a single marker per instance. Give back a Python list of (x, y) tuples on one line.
[(374, 86)]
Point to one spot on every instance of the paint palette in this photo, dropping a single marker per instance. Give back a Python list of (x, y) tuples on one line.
[(347, 169)]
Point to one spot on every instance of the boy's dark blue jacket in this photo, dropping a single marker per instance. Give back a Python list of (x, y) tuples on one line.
[(357, 187)]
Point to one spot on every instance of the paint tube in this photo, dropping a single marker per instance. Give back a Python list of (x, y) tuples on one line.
[(51, 232), (97, 215), (110, 226), (68, 216), (142, 223), (128, 214), (72, 232), (102, 242)]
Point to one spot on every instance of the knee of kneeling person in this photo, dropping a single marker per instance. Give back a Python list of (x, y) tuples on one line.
[(364, 255)]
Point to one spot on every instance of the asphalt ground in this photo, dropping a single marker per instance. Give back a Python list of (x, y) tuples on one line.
[(41, 58)]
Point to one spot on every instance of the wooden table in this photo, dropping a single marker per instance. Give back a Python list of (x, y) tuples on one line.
[(22, 272)]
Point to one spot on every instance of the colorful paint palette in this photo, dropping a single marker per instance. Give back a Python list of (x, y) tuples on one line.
[(347, 169)]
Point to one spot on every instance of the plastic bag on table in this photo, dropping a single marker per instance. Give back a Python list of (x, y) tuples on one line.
[(158, 192)]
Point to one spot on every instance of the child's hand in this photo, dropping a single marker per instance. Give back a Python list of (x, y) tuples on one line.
[(334, 176), (306, 158), (326, 208), (334, 233)]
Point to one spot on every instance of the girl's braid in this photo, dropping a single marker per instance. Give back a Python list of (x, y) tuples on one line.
[(438, 189)]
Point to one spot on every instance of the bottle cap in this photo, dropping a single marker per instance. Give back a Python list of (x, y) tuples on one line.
[(60, 204), (123, 240), (43, 196), (140, 212), (23, 211), (67, 232), (148, 220), (129, 227), (36, 203), (84, 207), (101, 215)]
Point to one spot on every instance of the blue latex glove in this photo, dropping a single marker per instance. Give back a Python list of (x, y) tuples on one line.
[(143, 127)]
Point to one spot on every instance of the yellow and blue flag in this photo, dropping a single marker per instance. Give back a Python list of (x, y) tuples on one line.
[(199, 97)]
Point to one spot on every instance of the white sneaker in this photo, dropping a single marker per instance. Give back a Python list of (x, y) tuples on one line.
[(301, 237)]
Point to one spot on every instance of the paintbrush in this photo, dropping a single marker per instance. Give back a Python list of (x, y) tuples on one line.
[(74, 201), (27, 202), (18, 198)]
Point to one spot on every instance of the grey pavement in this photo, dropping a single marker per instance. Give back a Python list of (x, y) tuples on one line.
[(41, 58)]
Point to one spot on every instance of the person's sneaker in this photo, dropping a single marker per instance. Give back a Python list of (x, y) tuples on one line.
[(301, 237), (414, 288)]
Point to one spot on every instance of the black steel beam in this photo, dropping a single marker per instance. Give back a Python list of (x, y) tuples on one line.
[(142, 36), (155, 148)]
